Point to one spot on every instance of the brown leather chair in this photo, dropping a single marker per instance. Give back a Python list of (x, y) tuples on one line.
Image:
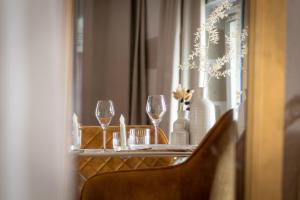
[(91, 138), (209, 173)]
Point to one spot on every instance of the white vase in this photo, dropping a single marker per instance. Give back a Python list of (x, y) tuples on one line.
[(202, 116), (180, 134)]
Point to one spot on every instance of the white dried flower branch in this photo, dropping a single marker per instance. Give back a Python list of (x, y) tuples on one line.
[(216, 69), (241, 94), (213, 35), (199, 51), (244, 41), (219, 13)]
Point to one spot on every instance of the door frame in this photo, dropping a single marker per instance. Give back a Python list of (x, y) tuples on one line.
[(266, 99)]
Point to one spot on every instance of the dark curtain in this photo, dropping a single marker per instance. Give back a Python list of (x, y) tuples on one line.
[(138, 64)]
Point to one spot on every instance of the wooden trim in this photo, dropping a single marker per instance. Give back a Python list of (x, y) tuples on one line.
[(69, 46), (70, 182), (265, 117), (69, 49)]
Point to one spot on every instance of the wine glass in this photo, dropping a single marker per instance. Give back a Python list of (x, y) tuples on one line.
[(156, 108), (104, 114)]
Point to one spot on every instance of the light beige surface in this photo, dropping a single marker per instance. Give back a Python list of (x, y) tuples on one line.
[(292, 134), (69, 179), (33, 103), (264, 156)]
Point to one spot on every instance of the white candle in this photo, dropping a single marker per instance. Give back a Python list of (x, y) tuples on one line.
[(76, 132), (123, 132)]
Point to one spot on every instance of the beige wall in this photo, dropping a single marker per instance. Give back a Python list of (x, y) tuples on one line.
[(293, 50), (33, 100), (292, 135)]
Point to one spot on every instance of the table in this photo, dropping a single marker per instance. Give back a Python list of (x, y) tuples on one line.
[(97, 161), (140, 151)]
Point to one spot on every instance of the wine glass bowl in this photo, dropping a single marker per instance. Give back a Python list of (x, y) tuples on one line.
[(156, 108), (104, 113), (155, 118), (104, 121)]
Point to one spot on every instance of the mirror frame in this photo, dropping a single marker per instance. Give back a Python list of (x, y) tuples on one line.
[(265, 117)]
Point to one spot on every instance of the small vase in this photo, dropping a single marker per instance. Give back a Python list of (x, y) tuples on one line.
[(202, 116), (180, 134)]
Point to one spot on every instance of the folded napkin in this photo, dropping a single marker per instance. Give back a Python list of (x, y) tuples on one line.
[(171, 148)]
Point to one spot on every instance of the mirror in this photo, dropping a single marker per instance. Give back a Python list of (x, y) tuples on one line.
[(126, 50), (193, 52)]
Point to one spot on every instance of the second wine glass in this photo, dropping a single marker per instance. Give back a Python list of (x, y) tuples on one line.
[(104, 114), (156, 108)]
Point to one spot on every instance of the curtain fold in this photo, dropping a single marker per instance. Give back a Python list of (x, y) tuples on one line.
[(193, 14), (178, 22), (138, 64), (168, 56)]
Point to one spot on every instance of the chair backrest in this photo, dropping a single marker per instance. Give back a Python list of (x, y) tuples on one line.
[(209, 173), (91, 136), (210, 170)]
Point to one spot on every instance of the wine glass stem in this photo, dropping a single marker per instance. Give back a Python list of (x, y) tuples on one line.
[(155, 134), (104, 139)]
